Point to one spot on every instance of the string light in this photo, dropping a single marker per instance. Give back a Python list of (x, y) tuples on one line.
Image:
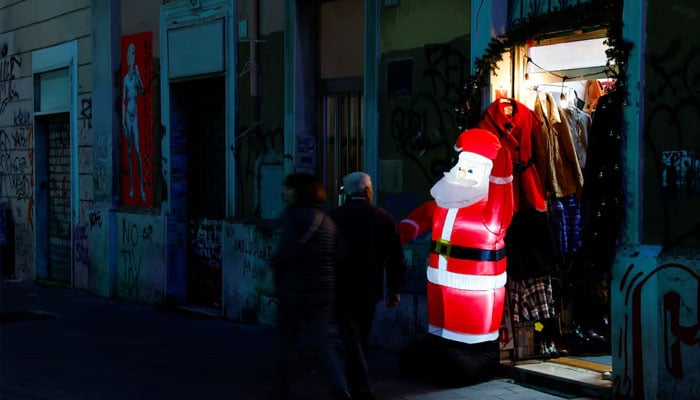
[(563, 77)]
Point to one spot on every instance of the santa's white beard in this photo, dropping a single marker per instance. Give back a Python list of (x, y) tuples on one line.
[(448, 195)]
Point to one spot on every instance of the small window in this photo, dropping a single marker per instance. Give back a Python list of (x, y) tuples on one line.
[(52, 92)]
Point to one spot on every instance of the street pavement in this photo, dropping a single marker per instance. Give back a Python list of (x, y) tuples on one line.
[(59, 343)]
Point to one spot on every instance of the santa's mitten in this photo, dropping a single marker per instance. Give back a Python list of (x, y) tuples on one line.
[(407, 230)]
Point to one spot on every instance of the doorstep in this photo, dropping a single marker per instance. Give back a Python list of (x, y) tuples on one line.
[(564, 374)]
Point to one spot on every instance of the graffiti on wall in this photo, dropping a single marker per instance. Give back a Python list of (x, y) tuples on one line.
[(102, 147), (672, 155), (253, 151), (425, 125), (256, 255), (95, 219), (86, 159), (135, 240), (81, 256), (249, 293), (24, 249), (204, 262), (137, 119), (679, 339), (9, 67), (16, 165), (205, 241), (16, 141), (17, 157), (680, 176)]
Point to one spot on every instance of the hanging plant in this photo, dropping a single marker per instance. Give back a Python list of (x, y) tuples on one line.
[(606, 14)]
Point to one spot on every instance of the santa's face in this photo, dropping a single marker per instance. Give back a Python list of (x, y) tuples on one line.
[(465, 184)]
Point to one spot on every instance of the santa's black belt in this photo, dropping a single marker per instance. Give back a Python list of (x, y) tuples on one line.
[(466, 253)]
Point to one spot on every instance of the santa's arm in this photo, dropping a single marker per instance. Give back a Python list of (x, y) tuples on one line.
[(417, 222), (499, 207)]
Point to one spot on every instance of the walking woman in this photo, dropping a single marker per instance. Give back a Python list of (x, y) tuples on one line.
[(304, 265)]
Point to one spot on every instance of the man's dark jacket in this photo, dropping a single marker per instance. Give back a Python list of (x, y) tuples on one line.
[(373, 249)]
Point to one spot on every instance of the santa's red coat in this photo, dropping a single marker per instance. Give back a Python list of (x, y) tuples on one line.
[(467, 264)]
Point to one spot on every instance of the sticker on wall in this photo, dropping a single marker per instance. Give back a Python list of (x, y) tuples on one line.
[(306, 151), (136, 158), (681, 173)]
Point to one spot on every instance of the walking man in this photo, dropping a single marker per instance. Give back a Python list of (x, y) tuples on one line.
[(374, 251)]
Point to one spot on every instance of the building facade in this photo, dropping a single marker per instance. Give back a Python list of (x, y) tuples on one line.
[(144, 145)]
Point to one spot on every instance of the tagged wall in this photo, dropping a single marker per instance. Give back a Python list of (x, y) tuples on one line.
[(418, 122), (98, 253), (140, 258), (672, 115), (247, 278), (656, 318), (259, 136), (16, 155)]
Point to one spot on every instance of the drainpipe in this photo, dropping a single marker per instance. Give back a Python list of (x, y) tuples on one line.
[(254, 70)]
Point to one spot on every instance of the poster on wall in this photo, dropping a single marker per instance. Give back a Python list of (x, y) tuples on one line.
[(306, 152), (136, 140), (681, 173)]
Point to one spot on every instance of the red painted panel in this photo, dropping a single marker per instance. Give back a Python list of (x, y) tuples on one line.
[(136, 158)]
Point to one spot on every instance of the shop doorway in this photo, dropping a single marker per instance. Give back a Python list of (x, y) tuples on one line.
[(343, 139), (340, 101), (198, 151), (53, 146), (559, 286)]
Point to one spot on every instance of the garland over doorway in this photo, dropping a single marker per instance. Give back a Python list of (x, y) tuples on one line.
[(595, 14)]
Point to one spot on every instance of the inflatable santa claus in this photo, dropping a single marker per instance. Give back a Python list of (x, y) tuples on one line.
[(466, 274)]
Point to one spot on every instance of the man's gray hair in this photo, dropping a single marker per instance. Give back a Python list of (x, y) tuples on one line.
[(356, 183)]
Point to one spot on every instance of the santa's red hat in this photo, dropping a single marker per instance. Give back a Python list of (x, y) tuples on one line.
[(479, 141)]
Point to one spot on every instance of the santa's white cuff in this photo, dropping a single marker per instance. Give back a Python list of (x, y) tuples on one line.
[(410, 222), (501, 180)]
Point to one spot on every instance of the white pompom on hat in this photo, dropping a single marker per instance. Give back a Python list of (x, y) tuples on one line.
[(479, 141)]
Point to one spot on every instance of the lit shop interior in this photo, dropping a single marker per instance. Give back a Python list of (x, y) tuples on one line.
[(559, 252)]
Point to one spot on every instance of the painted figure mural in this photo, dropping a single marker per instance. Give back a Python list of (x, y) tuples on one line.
[(136, 119)]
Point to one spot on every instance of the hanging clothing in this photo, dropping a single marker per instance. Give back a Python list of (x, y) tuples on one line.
[(564, 221), (515, 125), (592, 92), (579, 125), (530, 246), (602, 205), (555, 154), (532, 299)]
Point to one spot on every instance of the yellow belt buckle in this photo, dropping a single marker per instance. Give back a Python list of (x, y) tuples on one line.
[(443, 244)]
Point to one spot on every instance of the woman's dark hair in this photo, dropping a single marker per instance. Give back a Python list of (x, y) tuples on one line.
[(308, 189)]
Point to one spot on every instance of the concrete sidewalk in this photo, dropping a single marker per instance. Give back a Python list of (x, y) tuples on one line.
[(58, 343)]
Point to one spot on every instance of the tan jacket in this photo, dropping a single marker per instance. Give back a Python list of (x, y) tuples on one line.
[(555, 154)]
